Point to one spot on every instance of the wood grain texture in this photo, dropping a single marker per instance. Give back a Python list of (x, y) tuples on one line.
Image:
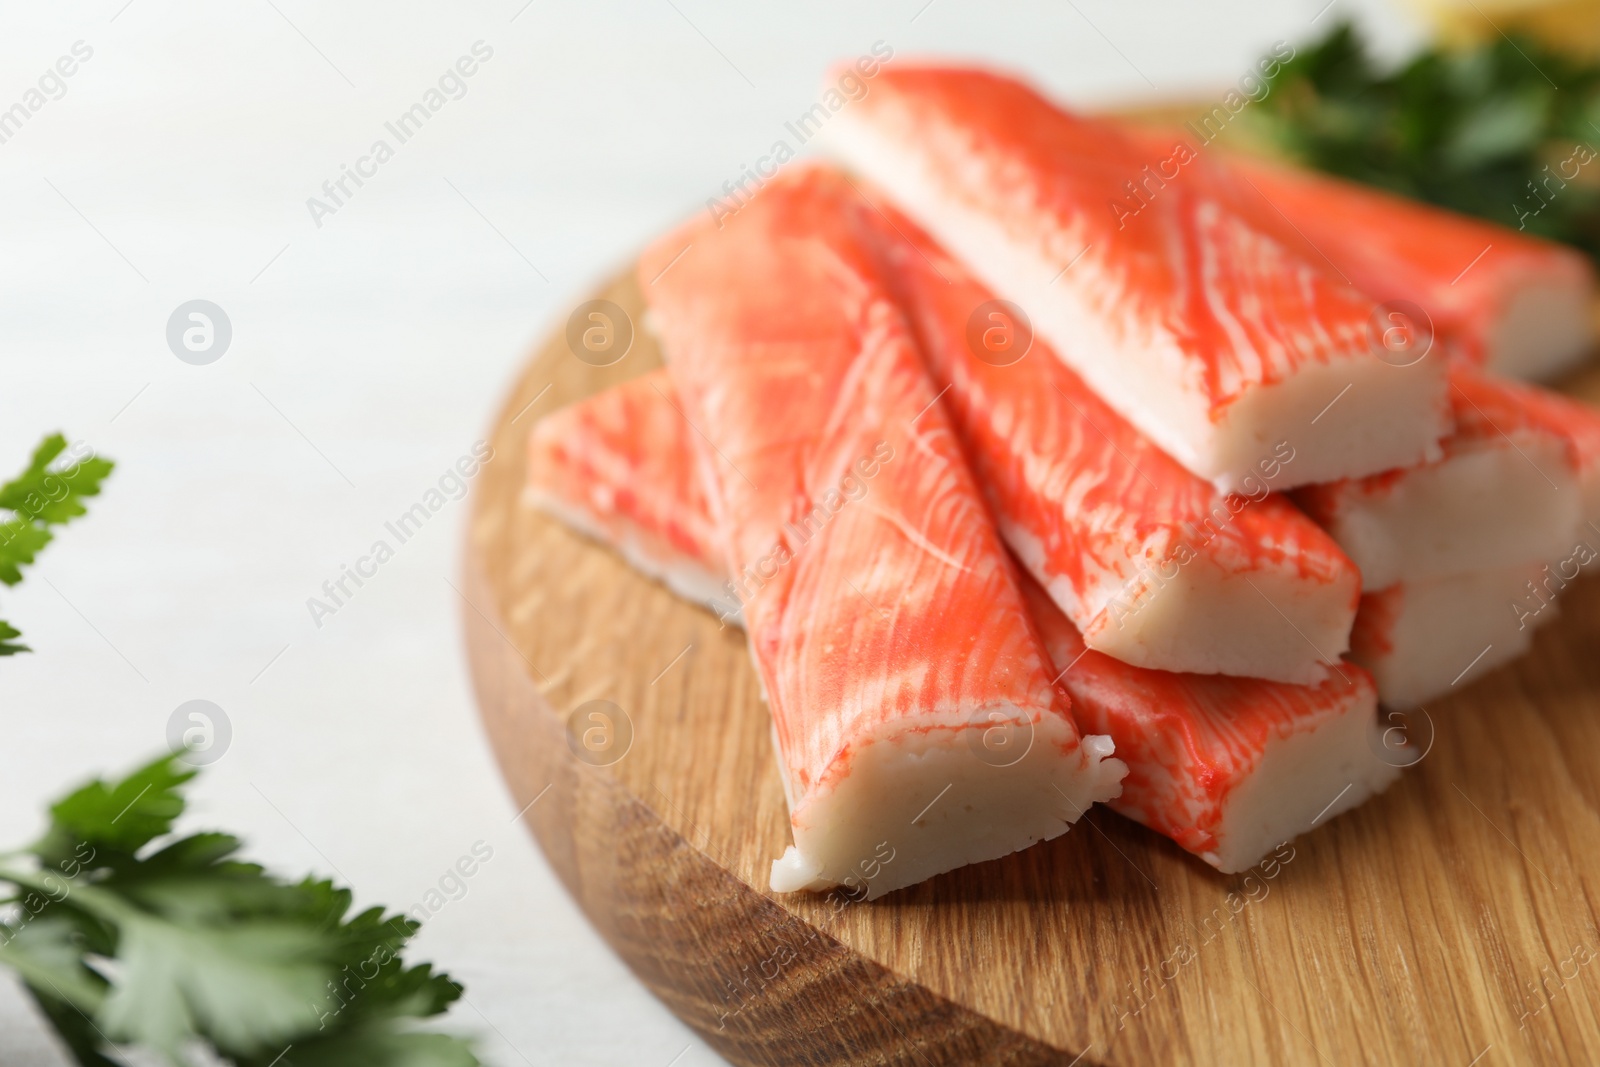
[(1453, 917)]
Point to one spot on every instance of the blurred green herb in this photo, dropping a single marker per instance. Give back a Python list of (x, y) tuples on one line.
[(128, 935), (1508, 131), (48, 493)]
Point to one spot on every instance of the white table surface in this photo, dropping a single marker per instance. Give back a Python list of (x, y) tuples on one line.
[(367, 355)]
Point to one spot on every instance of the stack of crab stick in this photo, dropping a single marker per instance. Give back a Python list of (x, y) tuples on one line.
[(1038, 479), (1452, 551)]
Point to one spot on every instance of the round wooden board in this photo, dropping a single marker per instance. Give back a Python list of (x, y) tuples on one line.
[(1450, 921)]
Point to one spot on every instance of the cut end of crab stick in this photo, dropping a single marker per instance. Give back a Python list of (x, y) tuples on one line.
[(1218, 339), (940, 796), (1579, 425), (1306, 777), (1212, 616), (1428, 638), (1354, 413), (1514, 304), (882, 611), (1229, 768), (1545, 327), (1152, 563), (617, 467), (1503, 493)]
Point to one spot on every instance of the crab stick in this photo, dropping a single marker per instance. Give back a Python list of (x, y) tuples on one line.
[(595, 466), (1503, 493), (1507, 301), (1430, 637), (1191, 316), (1151, 563), (1229, 768), (1579, 425), (883, 614)]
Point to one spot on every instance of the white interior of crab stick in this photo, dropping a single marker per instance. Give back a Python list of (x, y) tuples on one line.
[(1428, 638), (1304, 779), (1546, 328), (1347, 415), (1577, 423), (1493, 501), (1268, 622), (942, 796)]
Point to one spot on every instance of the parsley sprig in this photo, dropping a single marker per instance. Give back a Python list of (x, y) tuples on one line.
[(48, 493), (127, 934), (1507, 131)]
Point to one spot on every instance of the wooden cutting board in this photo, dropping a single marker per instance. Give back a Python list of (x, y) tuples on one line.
[(1450, 921)]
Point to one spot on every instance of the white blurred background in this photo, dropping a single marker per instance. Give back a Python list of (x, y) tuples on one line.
[(367, 356)]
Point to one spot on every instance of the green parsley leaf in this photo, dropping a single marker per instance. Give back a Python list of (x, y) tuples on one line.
[(375, 1046), (8, 647), (1508, 131), (47, 493), (248, 987), (48, 953), (129, 936), (118, 818), (20, 541), (50, 492)]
